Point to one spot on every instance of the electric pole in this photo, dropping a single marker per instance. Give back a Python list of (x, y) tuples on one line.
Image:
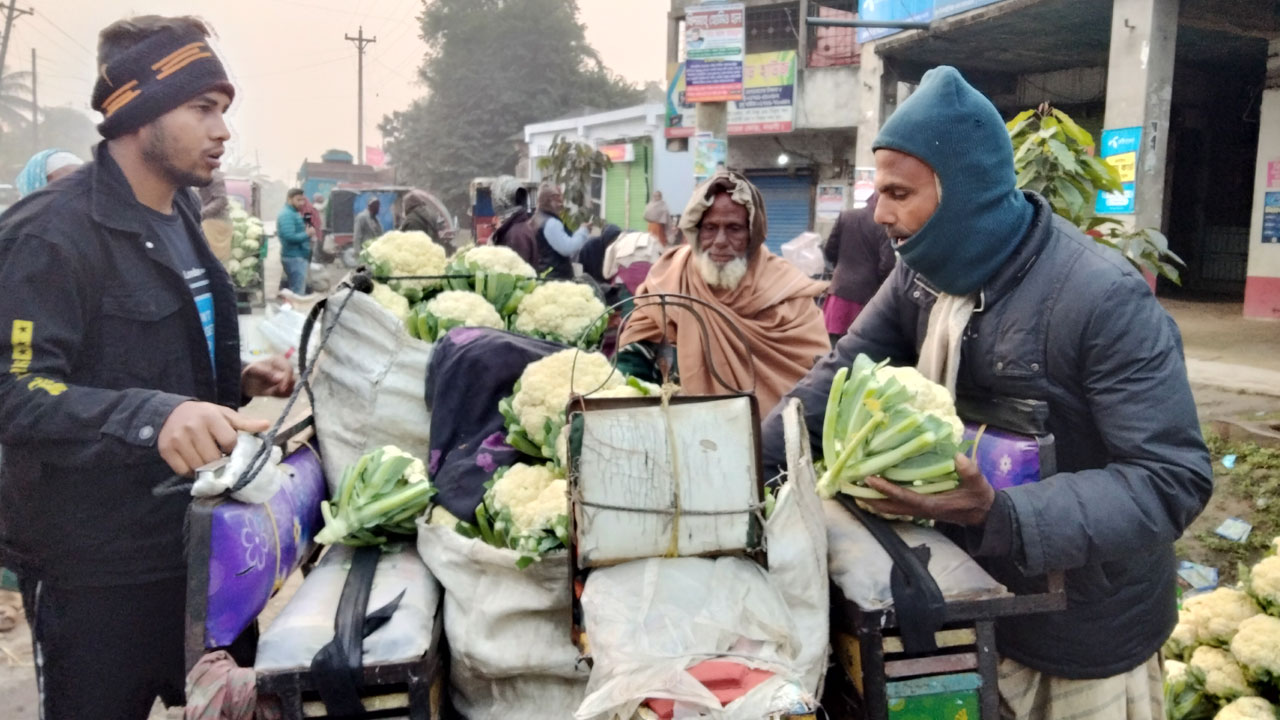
[(360, 40), (11, 13)]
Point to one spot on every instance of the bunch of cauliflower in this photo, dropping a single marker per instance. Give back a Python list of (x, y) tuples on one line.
[(410, 262), (526, 509), (564, 312), (496, 273), (1230, 640), (535, 412), (245, 264), (430, 320)]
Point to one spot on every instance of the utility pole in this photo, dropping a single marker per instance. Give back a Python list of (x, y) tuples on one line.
[(35, 106), (11, 13), (360, 40)]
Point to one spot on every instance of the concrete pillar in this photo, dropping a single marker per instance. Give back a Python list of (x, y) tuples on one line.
[(1262, 286), (713, 117), (1140, 92), (878, 90)]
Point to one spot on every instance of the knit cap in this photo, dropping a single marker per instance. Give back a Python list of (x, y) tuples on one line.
[(140, 83), (982, 215)]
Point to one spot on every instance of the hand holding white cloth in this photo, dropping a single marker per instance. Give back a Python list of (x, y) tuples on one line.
[(218, 478)]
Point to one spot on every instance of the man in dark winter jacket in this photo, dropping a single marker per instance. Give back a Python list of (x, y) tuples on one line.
[(997, 296), (555, 247), (121, 368), (863, 257)]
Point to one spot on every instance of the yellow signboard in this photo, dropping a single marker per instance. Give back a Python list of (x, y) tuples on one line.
[(1125, 164)]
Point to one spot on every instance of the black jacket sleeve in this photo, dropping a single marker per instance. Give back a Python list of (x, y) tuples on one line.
[(1159, 477), (42, 323), (877, 332)]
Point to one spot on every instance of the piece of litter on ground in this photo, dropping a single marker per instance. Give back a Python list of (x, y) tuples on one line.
[(1234, 529), (1228, 461), (1199, 577)]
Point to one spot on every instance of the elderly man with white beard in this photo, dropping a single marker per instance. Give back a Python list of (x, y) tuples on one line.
[(763, 297)]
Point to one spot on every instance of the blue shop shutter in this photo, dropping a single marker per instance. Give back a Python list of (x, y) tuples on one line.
[(788, 204)]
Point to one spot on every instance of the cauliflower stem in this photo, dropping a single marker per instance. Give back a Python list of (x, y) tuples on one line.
[(890, 422)]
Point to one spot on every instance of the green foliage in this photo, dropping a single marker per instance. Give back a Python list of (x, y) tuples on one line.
[(491, 67), (1052, 157), (572, 165)]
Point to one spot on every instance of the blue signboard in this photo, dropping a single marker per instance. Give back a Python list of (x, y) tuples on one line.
[(909, 11), (1119, 149), (1271, 218)]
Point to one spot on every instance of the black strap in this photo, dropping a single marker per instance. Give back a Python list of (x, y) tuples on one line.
[(337, 671), (917, 600)]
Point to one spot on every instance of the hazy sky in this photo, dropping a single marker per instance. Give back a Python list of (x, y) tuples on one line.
[(294, 73)]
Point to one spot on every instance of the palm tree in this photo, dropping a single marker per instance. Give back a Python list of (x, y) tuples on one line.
[(15, 99)]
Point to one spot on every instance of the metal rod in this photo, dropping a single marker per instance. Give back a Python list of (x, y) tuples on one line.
[(891, 24)]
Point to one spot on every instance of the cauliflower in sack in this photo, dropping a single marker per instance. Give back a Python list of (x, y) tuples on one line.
[(561, 311), (1184, 696), (1221, 676), (391, 300), (442, 517), (1256, 646), (1248, 708), (406, 253), (525, 508), (1217, 615), (535, 413), (1263, 584), (496, 259), (494, 272), (450, 309)]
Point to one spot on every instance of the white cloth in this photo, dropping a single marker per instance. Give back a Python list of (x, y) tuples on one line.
[(1027, 694), (940, 354), (262, 488)]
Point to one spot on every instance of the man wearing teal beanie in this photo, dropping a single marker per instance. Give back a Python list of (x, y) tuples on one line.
[(999, 297)]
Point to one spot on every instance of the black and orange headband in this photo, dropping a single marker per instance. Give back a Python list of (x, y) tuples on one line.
[(153, 77)]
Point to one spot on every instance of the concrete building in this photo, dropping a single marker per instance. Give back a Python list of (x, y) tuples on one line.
[(794, 134), (633, 140), (1196, 81)]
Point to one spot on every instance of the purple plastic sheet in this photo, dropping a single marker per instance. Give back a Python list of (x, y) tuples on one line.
[(1005, 459), (254, 548)]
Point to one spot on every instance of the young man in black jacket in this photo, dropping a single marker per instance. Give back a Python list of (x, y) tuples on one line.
[(119, 368)]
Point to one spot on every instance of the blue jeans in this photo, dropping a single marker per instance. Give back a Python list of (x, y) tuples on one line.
[(295, 272)]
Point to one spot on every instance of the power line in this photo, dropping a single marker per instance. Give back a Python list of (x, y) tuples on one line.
[(92, 55), (282, 71)]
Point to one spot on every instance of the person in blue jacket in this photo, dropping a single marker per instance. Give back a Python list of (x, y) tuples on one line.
[(295, 241)]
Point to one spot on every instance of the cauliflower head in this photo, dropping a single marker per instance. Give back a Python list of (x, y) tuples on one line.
[(400, 253), (1218, 614), (391, 300), (562, 311), (1256, 646), (546, 386), (1264, 583), (1247, 708), (535, 495), (441, 517), (1183, 638), (1175, 671), (417, 470), (1223, 677), (929, 396), (497, 259), (464, 309)]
